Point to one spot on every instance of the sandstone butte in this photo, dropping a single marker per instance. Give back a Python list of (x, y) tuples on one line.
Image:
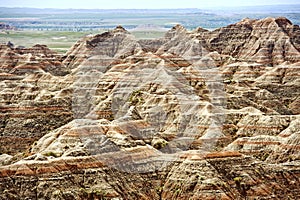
[(193, 115)]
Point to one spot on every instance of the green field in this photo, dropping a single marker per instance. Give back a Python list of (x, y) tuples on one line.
[(60, 41)]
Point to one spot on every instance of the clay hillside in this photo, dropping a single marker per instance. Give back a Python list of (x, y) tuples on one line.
[(193, 115)]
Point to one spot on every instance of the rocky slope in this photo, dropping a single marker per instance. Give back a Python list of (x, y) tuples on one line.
[(194, 115), (31, 104)]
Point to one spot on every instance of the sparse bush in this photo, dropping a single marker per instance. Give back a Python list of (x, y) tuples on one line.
[(238, 179), (50, 153), (136, 97)]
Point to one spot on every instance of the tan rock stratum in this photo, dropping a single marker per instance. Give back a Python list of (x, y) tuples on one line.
[(193, 115)]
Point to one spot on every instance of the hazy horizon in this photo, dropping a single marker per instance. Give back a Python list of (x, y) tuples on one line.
[(137, 4)]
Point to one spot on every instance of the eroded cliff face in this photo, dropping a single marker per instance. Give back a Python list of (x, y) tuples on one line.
[(32, 87), (268, 41), (193, 115)]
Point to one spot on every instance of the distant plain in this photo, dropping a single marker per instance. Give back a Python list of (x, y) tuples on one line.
[(59, 29)]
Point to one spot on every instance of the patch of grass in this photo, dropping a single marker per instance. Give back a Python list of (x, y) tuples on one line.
[(50, 153), (160, 144), (136, 97), (60, 41), (55, 40), (238, 179)]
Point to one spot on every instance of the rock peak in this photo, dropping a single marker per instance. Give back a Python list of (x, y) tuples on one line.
[(176, 30), (178, 27), (283, 21), (200, 30), (246, 21), (120, 29), (279, 21), (10, 44)]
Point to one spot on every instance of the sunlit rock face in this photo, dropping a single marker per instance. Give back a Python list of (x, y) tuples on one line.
[(268, 41), (193, 115), (32, 80)]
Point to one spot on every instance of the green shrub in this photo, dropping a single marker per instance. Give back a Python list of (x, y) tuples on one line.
[(50, 153), (238, 179)]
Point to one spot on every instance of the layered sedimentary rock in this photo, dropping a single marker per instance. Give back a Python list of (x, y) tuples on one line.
[(194, 115), (31, 104), (20, 60), (267, 41)]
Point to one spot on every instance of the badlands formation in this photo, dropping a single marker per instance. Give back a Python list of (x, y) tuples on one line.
[(193, 115)]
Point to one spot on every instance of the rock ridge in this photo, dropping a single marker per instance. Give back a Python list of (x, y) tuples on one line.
[(193, 115)]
